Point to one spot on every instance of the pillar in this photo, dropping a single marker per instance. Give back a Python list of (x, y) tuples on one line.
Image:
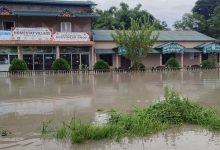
[(93, 56), (161, 59), (200, 58), (57, 52), (117, 61), (20, 52), (182, 61)]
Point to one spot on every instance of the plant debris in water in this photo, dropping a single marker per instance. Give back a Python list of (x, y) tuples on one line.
[(4, 132), (173, 111)]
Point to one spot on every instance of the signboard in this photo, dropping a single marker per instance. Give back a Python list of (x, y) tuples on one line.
[(212, 48), (5, 35), (173, 48), (71, 36), (121, 51), (31, 34)]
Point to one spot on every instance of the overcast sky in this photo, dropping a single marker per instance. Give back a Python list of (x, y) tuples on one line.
[(165, 10)]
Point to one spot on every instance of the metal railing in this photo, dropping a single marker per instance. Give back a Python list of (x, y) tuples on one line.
[(89, 72)]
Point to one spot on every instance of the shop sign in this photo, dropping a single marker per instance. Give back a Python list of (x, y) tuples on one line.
[(71, 36), (173, 48), (5, 35), (212, 48), (31, 34)]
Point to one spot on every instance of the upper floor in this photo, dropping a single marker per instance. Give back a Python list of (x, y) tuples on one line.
[(59, 15)]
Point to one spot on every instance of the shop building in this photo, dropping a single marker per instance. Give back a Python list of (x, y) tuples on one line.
[(188, 47), (41, 31)]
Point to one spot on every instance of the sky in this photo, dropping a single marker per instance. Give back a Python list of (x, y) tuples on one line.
[(164, 10)]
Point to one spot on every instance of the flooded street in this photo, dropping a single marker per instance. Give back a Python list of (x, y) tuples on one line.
[(25, 103)]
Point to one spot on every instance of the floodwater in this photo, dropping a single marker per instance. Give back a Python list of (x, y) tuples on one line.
[(26, 102)]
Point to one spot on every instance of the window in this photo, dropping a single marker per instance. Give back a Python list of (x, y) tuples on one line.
[(3, 59), (8, 25), (66, 27)]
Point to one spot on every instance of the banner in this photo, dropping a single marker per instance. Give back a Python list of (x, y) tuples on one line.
[(71, 36), (31, 34), (5, 35)]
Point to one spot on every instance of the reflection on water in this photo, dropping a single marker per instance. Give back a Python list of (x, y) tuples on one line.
[(26, 103)]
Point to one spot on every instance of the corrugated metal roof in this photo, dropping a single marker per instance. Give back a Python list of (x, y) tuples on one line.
[(165, 36), (50, 2)]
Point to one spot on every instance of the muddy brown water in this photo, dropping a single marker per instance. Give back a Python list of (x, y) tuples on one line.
[(26, 102)]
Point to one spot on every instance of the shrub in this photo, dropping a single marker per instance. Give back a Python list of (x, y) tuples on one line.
[(208, 64), (101, 65), (172, 63), (138, 66), (60, 64), (18, 65)]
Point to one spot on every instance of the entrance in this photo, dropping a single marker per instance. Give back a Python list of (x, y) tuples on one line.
[(48, 61), (125, 63), (166, 57), (38, 62), (75, 61), (29, 61)]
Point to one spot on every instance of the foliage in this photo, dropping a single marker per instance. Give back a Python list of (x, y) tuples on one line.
[(18, 65), (207, 64), (172, 63), (114, 17), (204, 18), (4, 132), (101, 65), (60, 64), (173, 110), (138, 66), (137, 40)]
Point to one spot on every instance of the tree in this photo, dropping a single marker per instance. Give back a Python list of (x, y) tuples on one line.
[(137, 40), (215, 23), (115, 17)]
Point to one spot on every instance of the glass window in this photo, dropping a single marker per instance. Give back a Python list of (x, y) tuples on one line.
[(70, 49), (11, 57), (3, 59), (66, 27), (8, 25)]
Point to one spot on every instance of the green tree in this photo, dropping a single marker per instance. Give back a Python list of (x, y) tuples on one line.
[(115, 17), (137, 40), (215, 23)]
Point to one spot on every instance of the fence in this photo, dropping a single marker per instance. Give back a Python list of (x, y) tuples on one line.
[(86, 72)]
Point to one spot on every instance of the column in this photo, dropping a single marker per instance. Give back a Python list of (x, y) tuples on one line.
[(93, 56), (182, 61), (20, 52), (57, 52), (200, 58), (161, 59), (117, 61)]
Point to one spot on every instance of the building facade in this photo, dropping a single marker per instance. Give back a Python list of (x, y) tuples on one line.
[(41, 31), (190, 48)]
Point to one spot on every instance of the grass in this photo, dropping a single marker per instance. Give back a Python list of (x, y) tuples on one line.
[(173, 111)]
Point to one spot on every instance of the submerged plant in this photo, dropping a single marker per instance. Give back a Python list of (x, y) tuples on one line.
[(173, 110), (4, 132)]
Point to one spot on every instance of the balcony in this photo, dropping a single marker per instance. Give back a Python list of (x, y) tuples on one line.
[(44, 36)]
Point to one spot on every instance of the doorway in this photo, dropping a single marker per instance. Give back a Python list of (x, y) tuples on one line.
[(166, 57)]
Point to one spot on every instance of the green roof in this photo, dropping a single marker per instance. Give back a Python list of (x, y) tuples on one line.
[(49, 2), (165, 36)]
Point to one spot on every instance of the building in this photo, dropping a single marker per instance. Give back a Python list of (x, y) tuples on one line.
[(188, 47), (39, 31)]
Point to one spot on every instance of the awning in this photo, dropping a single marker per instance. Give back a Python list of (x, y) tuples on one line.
[(105, 51), (210, 47), (171, 47), (191, 50)]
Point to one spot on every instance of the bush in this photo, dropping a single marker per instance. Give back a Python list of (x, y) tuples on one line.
[(101, 65), (60, 64), (172, 63), (206, 64), (18, 65), (138, 66)]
